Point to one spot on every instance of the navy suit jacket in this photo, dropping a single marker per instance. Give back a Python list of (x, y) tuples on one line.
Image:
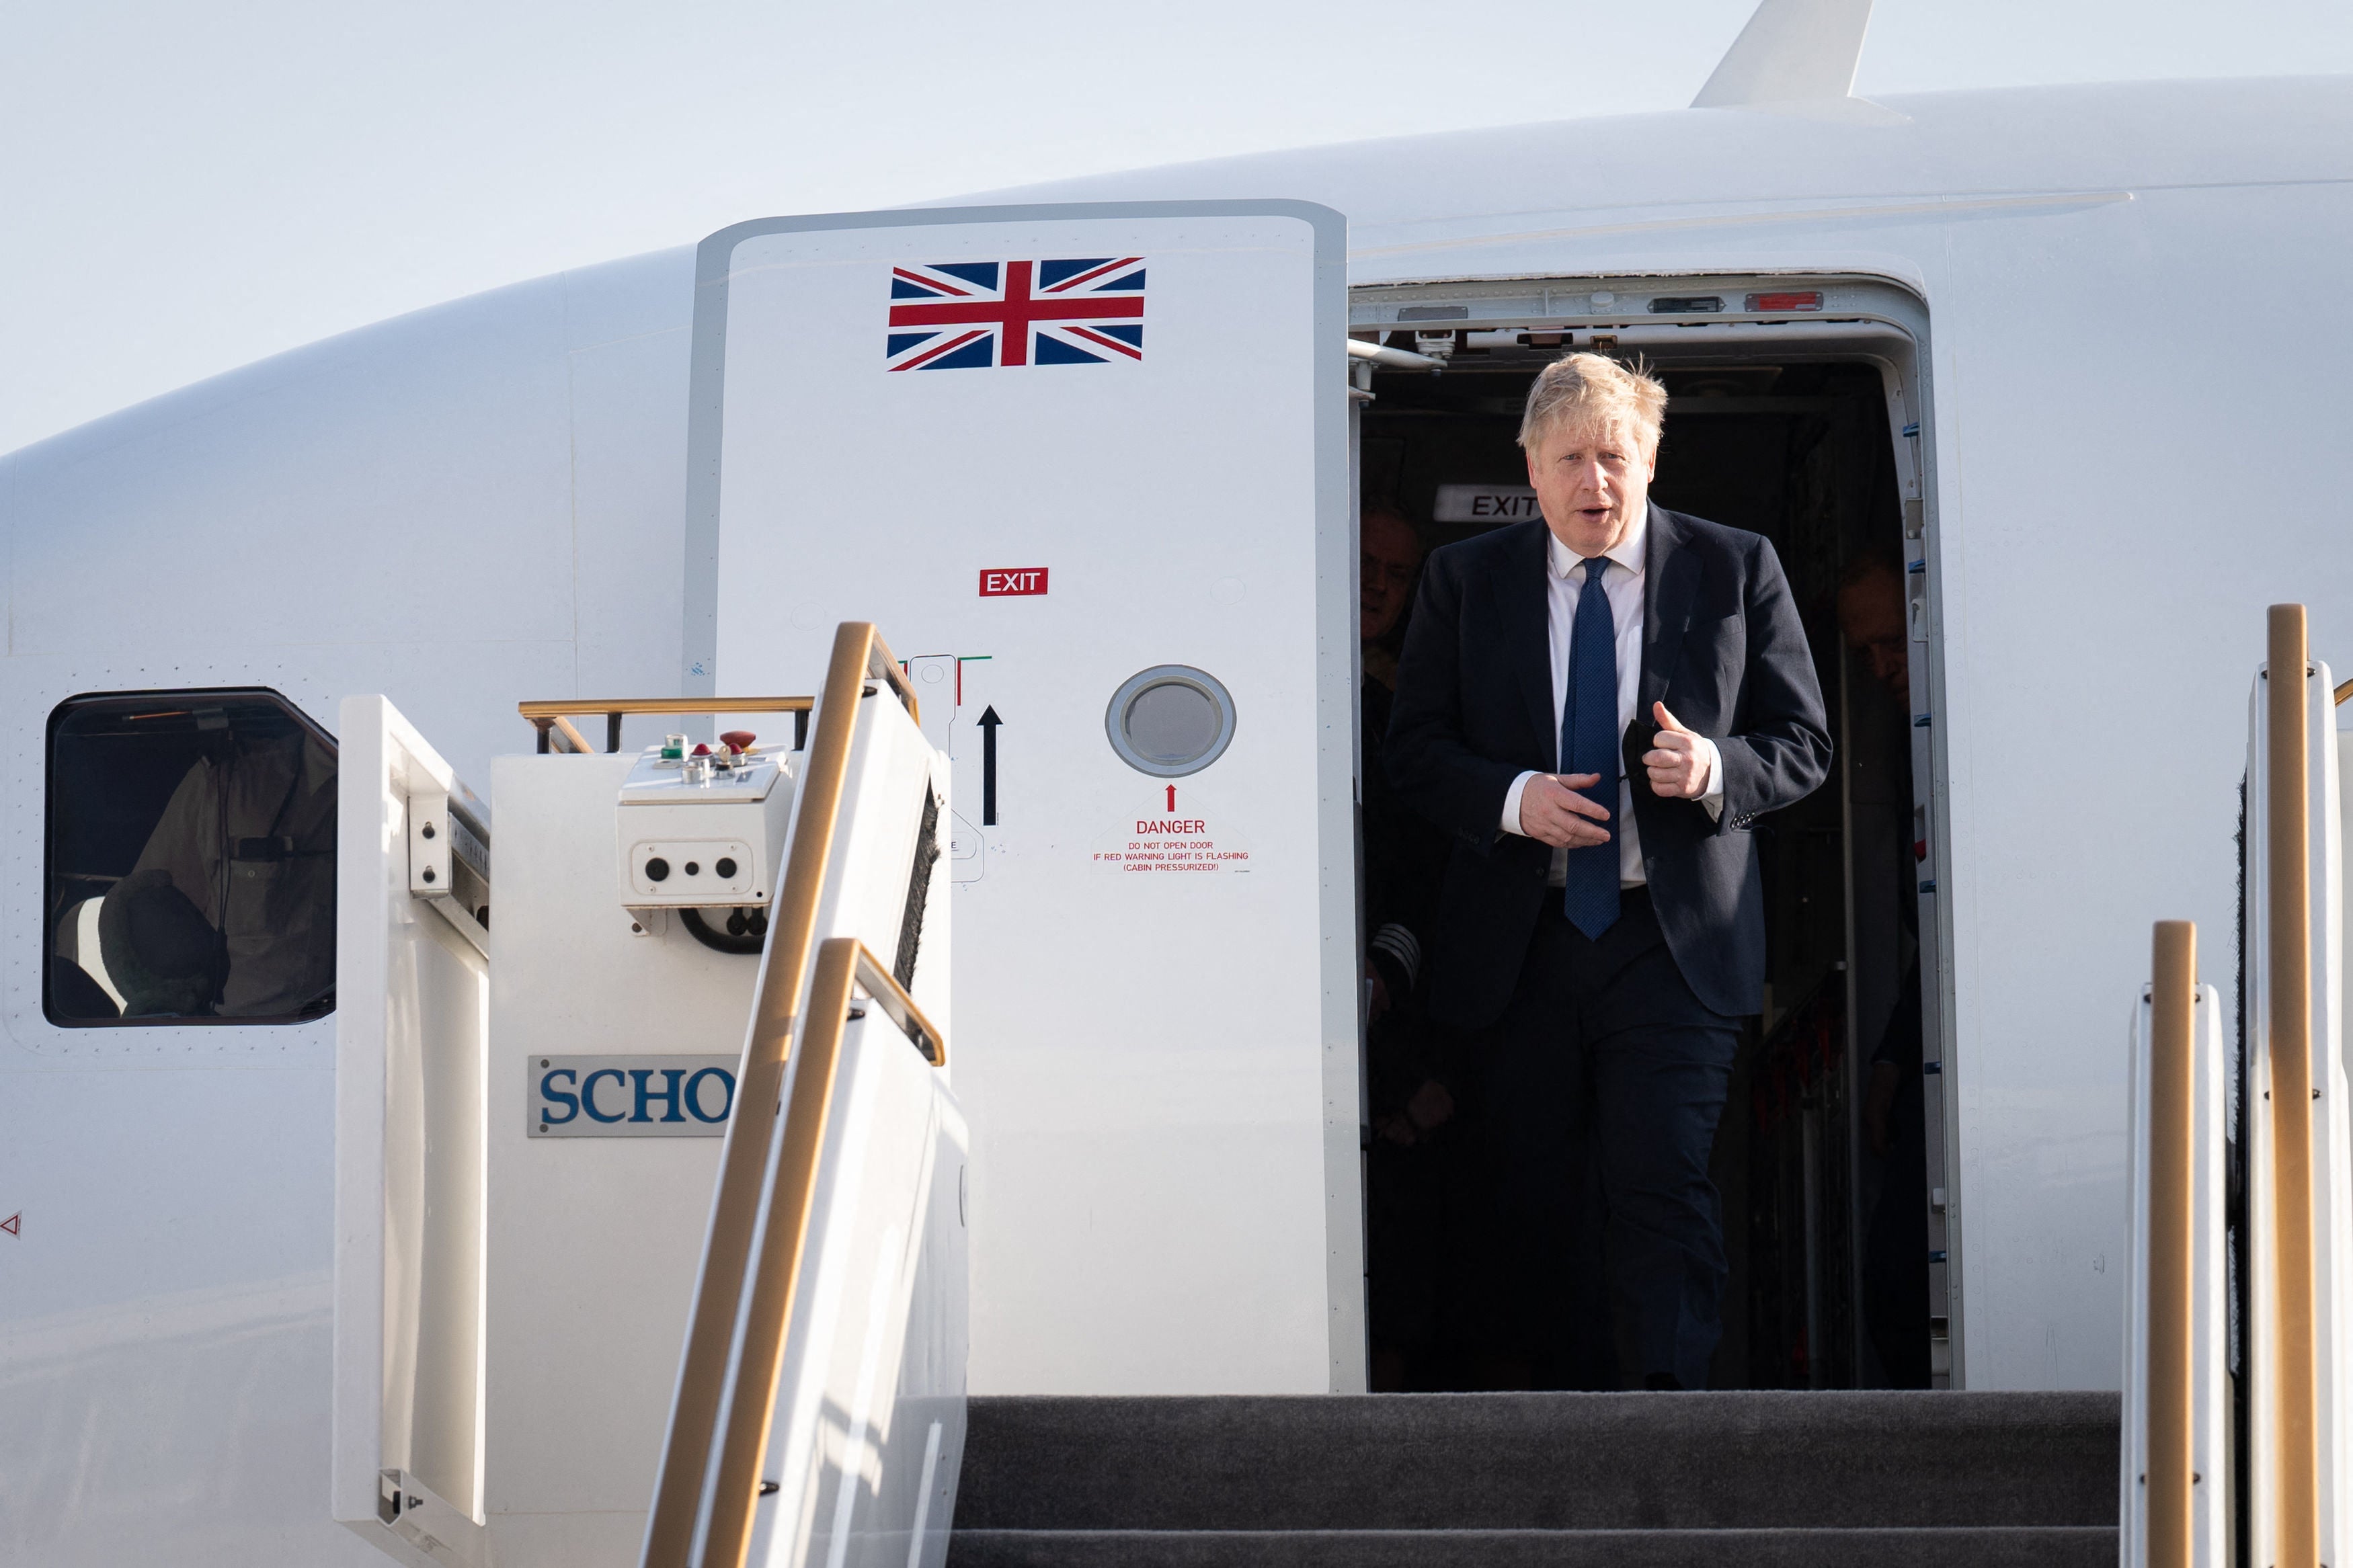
[(1722, 646)]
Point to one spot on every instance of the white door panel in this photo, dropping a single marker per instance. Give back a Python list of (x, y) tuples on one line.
[(1157, 1027)]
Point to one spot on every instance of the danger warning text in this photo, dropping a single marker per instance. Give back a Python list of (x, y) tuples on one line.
[(1183, 847)]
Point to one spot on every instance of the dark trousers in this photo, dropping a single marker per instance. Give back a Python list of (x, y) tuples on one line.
[(1601, 1090)]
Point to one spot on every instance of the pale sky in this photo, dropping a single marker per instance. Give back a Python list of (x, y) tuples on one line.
[(187, 188)]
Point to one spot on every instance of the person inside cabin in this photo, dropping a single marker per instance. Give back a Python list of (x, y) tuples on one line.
[(1872, 617), (230, 909), (1411, 1161), (1403, 856), (1594, 706)]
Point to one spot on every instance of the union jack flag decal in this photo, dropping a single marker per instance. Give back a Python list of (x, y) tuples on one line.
[(977, 315)]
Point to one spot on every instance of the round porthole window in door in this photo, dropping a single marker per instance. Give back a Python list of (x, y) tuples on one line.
[(1170, 721)]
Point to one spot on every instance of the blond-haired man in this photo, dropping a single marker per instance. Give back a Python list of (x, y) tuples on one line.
[(1597, 706)]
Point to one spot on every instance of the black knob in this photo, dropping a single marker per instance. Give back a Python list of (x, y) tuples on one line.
[(725, 868), (656, 869), (692, 870)]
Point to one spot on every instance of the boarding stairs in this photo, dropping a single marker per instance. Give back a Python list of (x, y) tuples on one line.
[(2236, 1446), (1514, 1480), (819, 1414)]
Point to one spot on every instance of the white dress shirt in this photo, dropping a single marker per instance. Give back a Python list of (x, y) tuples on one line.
[(1564, 583)]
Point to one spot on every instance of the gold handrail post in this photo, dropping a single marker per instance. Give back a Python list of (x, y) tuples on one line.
[(2172, 1165), (2288, 962), (882, 667), (901, 1008), (743, 1161)]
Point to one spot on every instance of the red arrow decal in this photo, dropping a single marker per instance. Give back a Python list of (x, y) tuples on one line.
[(1172, 797), (12, 1222)]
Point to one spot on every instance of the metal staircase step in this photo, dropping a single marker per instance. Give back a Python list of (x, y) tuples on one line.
[(1591, 1463), (2012, 1546)]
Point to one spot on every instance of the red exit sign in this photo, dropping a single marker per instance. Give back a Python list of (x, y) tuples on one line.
[(1009, 579)]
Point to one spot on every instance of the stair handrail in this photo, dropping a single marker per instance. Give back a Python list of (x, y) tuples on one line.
[(2288, 987), (860, 656), (2174, 1494), (553, 717), (2170, 1477), (883, 988)]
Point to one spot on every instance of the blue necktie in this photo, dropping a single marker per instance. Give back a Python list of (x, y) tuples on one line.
[(1589, 744)]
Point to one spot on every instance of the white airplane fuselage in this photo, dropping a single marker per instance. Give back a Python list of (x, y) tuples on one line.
[(2110, 318)]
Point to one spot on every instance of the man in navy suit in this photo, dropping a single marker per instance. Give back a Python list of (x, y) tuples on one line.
[(1595, 709)]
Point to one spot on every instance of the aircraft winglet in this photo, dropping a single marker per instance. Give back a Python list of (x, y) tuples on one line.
[(1790, 51)]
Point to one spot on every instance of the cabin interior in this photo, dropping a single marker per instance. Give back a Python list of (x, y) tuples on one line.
[(1826, 1290), (191, 861)]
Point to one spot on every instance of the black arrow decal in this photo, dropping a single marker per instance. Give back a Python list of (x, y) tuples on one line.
[(988, 723)]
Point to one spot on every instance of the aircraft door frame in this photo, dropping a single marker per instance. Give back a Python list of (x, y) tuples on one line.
[(1865, 319)]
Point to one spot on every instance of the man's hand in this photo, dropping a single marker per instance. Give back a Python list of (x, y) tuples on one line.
[(1552, 812), (1676, 760)]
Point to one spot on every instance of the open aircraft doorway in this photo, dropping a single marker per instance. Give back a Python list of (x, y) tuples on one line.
[(1795, 410)]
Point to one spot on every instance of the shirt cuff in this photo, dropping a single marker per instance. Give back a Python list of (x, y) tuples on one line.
[(1512, 803), (1713, 798)]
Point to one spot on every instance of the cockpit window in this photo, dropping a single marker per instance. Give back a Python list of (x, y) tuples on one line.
[(191, 861)]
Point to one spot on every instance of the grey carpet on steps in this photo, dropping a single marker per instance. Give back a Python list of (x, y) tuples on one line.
[(2011, 1546), (1542, 1462)]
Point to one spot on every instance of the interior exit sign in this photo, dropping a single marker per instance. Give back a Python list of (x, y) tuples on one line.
[(1005, 581)]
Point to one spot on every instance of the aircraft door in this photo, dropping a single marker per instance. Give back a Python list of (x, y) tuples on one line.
[(1091, 463), (411, 1087)]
